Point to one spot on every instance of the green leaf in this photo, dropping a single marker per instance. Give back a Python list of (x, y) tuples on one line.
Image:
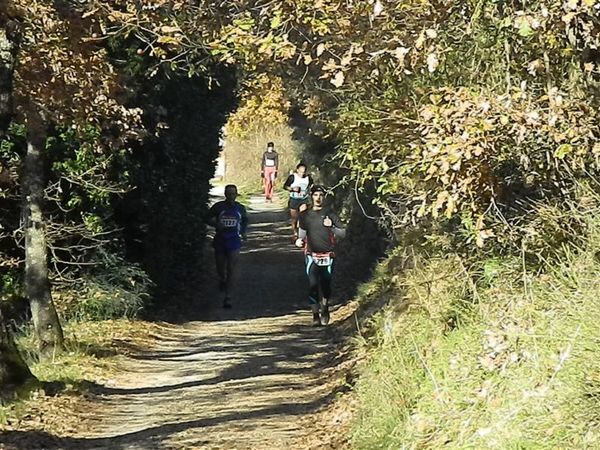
[(245, 24), (525, 29), (563, 150), (276, 21)]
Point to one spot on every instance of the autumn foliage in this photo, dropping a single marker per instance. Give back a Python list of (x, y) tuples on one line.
[(466, 114), (452, 109)]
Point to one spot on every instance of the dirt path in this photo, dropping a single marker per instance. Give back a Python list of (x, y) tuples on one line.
[(245, 378)]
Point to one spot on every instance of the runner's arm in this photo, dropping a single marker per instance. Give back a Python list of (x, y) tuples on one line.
[(339, 231), (211, 216), (302, 228), (243, 221), (301, 233), (288, 183), (301, 237)]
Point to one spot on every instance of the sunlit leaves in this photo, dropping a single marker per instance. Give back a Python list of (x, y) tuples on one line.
[(431, 101), (563, 150), (65, 74), (338, 79), (432, 62), (263, 104), (320, 49), (524, 25), (276, 21)]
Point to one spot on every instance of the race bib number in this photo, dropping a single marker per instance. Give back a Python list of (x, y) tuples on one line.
[(299, 195), (270, 162), (322, 260), (228, 222)]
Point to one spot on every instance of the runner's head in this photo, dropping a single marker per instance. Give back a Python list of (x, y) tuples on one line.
[(317, 193), (301, 169), (231, 193), (270, 146)]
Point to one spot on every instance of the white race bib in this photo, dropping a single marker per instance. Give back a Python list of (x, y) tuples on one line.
[(228, 222), (302, 183), (322, 260)]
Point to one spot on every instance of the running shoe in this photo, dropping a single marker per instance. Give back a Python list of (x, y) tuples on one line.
[(316, 321)]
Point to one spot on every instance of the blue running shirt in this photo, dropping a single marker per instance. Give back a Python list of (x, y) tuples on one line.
[(231, 222)]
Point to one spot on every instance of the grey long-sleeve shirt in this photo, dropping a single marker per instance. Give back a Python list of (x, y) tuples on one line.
[(269, 159)]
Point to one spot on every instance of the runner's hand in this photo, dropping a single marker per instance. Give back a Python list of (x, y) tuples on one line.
[(262, 174), (299, 243), (327, 222)]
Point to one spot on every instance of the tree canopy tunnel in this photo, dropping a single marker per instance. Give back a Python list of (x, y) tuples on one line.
[(162, 217)]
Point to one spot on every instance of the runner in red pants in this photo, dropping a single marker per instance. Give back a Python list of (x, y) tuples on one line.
[(268, 170)]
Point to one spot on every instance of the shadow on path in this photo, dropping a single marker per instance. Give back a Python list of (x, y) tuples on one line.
[(239, 378), (289, 351), (151, 437)]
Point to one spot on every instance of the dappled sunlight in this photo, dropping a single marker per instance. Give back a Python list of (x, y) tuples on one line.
[(226, 377), (246, 377)]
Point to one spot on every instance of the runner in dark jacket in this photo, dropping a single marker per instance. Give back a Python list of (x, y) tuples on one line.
[(319, 229)]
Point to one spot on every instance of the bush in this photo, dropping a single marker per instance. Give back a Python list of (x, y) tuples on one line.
[(117, 289)]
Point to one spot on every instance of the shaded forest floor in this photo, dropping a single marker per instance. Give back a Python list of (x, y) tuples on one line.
[(257, 376)]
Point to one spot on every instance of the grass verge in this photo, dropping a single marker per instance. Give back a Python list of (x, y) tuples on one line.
[(491, 357)]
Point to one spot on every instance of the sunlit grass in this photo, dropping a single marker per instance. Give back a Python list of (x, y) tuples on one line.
[(508, 360)]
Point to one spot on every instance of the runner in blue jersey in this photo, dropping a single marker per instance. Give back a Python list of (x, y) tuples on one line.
[(230, 221)]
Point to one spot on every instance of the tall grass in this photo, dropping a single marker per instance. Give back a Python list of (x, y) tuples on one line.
[(243, 156), (493, 356)]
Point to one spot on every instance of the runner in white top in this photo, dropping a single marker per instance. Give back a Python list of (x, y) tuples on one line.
[(298, 184)]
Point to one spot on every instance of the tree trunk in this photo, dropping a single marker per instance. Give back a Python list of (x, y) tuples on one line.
[(7, 61), (37, 284), (13, 370)]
